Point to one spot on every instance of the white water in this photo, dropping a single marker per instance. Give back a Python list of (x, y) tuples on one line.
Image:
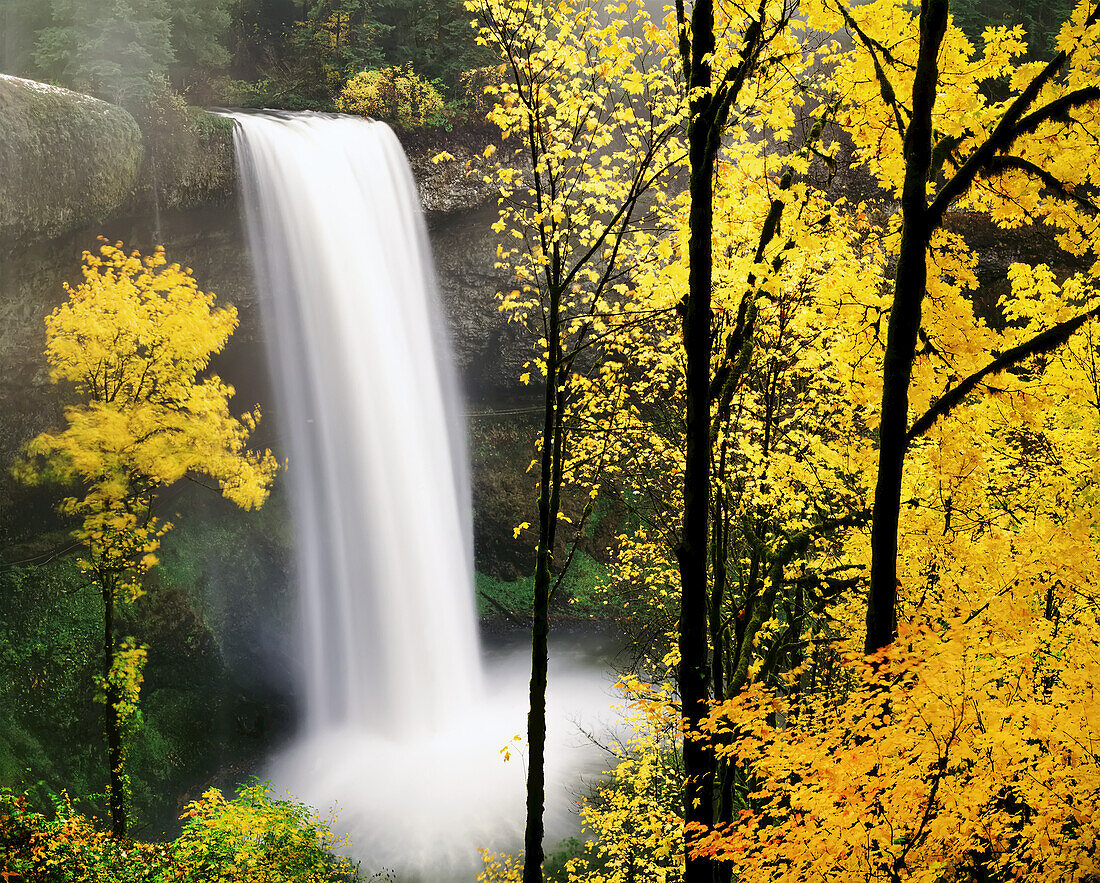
[(380, 490), (402, 730)]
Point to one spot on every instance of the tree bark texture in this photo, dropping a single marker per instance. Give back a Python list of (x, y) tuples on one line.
[(691, 555), (549, 503), (902, 332), (116, 795)]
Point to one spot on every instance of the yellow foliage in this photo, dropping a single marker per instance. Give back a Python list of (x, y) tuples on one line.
[(589, 156), (124, 681), (965, 749), (256, 838), (968, 749), (396, 95), (133, 340), (975, 88), (253, 838), (633, 820)]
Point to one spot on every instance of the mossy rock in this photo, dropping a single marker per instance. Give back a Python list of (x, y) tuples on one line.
[(66, 159), (189, 157)]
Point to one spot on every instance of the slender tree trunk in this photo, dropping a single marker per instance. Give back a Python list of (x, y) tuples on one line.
[(724, 770), (692, 552), (902, 332), (717, 597), (549, 502), (116, 796)]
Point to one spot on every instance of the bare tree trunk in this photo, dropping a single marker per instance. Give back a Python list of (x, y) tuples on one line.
[(902, 331), (116, 795), (549, 503), (692, 552)]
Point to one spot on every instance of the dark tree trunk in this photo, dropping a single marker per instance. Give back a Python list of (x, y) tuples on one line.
[(919, 219), (709, 109), (699, 766), (549, 503), (719, 528), (902, 332), (116, 795)]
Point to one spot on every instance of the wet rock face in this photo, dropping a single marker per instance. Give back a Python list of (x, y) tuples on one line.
[(189, 159), (72, 166), (66, 159), (455, 185), (489, 350), (455, 170)]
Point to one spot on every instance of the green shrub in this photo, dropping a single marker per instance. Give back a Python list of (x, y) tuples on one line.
[(256, 838), (396, 95), (478, 87), (251, 839)]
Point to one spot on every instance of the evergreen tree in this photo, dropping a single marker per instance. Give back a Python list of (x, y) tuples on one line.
[(114, 50)]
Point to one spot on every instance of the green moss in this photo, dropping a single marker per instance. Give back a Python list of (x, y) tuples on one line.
[(497, 596), (66, 159), (50, 646), (20, 752)]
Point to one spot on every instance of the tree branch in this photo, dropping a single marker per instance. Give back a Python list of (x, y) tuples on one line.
[(1048, 340), (1001, 164), (1057, 108), (1011, 126), (886, 88)]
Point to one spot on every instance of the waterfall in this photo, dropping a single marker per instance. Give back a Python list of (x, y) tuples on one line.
[(371, 421), (399, 736)]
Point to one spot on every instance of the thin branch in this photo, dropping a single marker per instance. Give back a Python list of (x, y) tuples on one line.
[(1041, 343), (886, 88), (683, 41), (1001, 164)]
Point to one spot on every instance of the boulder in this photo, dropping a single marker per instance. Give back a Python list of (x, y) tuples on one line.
[(66, 159)]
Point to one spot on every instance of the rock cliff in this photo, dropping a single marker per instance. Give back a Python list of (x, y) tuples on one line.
[(66, 159)]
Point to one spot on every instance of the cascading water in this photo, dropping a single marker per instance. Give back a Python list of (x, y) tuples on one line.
[(400, 736), (380, 490)]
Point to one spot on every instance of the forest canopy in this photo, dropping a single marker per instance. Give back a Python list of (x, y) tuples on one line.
[(293, 54)]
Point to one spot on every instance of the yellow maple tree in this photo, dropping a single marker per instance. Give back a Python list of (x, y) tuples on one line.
[(134, 341), (942, 758), (590, 114)]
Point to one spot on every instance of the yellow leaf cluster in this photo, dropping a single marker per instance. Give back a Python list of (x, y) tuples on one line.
[(134, 341)]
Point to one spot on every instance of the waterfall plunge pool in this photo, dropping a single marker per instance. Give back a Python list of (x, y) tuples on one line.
[(421, 806)]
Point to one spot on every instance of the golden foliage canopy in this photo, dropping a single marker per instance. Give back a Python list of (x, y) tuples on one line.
[(134, 341)]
